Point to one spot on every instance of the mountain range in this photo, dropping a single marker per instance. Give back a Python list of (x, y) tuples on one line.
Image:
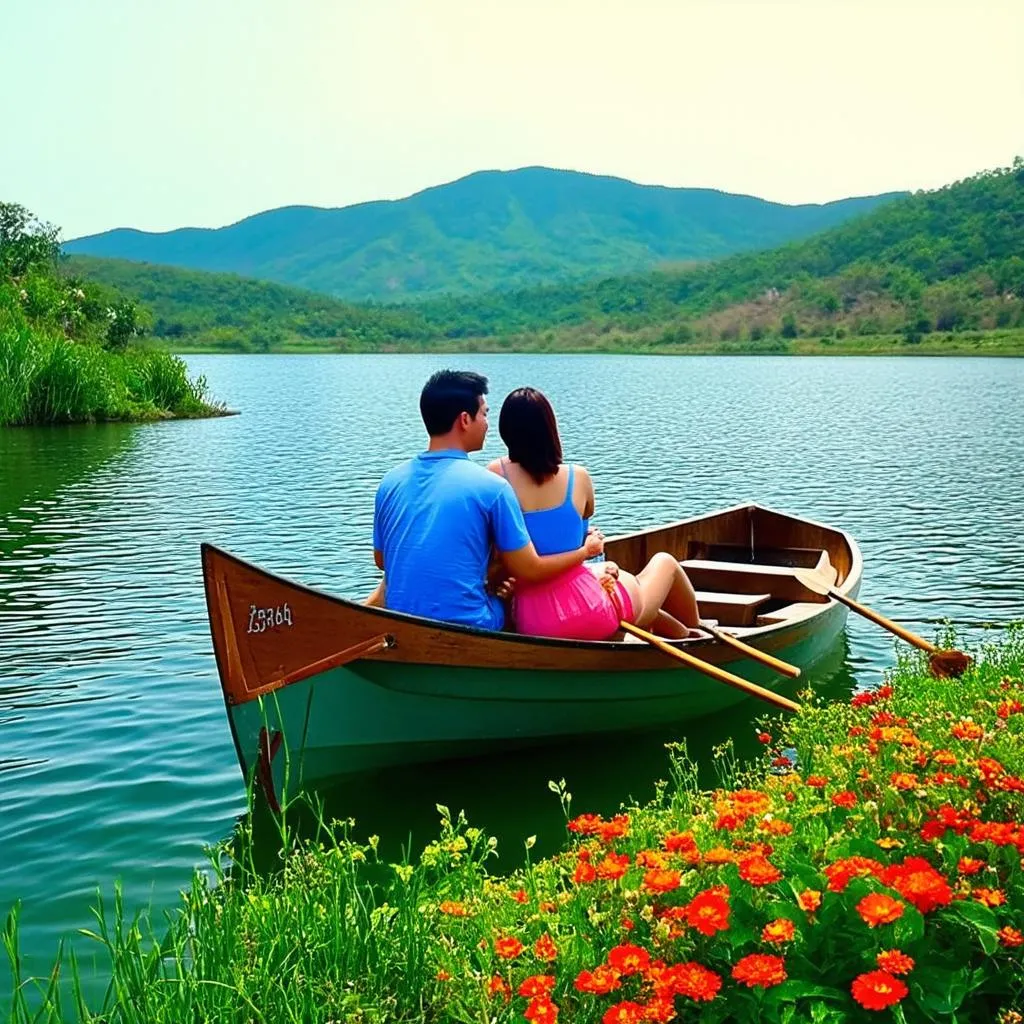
[(489, 230)]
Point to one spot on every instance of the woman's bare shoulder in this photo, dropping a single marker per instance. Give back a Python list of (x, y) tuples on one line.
[(495, 466)]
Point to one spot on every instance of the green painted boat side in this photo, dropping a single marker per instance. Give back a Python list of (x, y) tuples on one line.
[(369, 716)]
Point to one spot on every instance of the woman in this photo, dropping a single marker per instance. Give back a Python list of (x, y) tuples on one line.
[(587, 602)]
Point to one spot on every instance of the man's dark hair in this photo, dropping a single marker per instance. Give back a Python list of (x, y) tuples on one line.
[(527, 426), (448, 393)]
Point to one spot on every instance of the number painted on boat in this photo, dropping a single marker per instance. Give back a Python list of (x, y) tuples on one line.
[(261, 619)]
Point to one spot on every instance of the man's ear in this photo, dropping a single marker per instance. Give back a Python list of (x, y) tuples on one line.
[(464, 420)]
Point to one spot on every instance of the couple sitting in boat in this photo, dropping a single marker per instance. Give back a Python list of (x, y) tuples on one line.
[(443, 527)]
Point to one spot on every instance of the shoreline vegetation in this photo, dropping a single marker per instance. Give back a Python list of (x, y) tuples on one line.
[(69, 349), (867, 866)]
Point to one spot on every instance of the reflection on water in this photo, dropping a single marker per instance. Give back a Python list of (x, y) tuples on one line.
[(116, 757)]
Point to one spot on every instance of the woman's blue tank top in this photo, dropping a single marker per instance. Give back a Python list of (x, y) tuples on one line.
[(554, 530)]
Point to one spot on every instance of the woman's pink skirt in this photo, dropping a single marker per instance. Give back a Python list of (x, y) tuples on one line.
[(573, 606)]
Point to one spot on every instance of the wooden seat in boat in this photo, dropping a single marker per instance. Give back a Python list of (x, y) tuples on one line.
[(730, 609), (777, 581)]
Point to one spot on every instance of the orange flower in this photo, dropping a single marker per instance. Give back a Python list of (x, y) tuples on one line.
[(541, 1009), (584, 873), (508, 947), (599, 982), (969, 865), (520, 896), (719, 855), (776, 827), (876, 908), (760, 970), (548, 907), (778, 931), (817, 781), (628, 959), (708, 911), (680, 842), (443, 976), (965, 729), (918, 883), (545, 949), (661, 881), (692, 980), (946, 758), (904, 780), (847, 798), (453, 908), (990, 897), (498, 987), (877, 989), (758, 871), (841, 871), (624, 1013), (536, 985), (585, 824), (660, 1010), (895, 962), (651, 859), (1010, 937), (614, 829), (809, 900), (613, 866)]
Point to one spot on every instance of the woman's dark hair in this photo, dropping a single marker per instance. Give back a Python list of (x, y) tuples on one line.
[(527, 426), (447, 394)]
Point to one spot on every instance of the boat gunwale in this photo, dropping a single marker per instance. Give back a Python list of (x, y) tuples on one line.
[(557, 643)]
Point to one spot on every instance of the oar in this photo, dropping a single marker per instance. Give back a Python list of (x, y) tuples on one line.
[(751, 652), (711, 670), (944, 664)]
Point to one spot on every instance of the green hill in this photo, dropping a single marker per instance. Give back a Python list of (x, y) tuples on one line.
[(943, 263), (492, 229)]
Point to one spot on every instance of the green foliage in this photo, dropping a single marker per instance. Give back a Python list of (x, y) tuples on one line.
[(65, 353)]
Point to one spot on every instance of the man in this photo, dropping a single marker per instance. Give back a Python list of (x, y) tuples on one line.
[(438, 517)]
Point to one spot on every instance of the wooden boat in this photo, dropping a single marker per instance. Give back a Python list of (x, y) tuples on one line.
[(318, 686)]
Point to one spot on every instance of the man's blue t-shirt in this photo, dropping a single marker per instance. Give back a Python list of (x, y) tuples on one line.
[(435, 520)]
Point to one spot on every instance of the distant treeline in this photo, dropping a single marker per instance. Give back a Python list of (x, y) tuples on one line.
[(946, 261)]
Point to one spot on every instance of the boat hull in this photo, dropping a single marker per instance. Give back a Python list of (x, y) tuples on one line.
[(319, 687)]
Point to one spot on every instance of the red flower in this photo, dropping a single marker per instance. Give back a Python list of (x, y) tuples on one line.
[(585, 824), (680, 842), (545, 949), (520, 896), (508, 948), (614, 829), (969, 865), (764, 737), (708, 911), (876, 908), (877, 989), (990, 897), (628, 959), (817, 781), (613, 866), (904, 780), (497, 986), (778, 931), (847, 798), (967, 730), (895, 962), (841, 871), (809, 900), (584, 873), (660, 1010), (692, 980), (918, 883), (537, 985), (541, 1009), (1010, 937), (758, 871), (624, 1013), (760, 970)]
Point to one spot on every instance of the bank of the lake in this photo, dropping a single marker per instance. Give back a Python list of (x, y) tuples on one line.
[(1005, 342), (69, 349), (870, 860)]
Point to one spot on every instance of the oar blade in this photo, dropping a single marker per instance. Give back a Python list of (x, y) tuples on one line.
[(949, 664), (814, 582)]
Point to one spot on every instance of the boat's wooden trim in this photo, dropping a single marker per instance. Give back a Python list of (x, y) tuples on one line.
[(269, 631)]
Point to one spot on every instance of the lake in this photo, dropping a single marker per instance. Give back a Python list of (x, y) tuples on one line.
[(115, 755)]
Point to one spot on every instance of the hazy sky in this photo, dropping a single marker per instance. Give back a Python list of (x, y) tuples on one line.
[(200, 112)]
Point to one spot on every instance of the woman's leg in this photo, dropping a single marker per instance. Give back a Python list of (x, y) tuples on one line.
[(664, 585)]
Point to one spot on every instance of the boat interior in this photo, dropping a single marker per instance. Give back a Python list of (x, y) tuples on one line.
[(741, 563)]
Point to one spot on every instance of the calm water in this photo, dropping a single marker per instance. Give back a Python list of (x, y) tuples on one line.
[(115, 756)]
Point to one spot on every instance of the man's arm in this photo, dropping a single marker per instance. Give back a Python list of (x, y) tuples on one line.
[(525, 564)]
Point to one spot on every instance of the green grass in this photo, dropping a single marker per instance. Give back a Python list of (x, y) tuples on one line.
[(931, 769)]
